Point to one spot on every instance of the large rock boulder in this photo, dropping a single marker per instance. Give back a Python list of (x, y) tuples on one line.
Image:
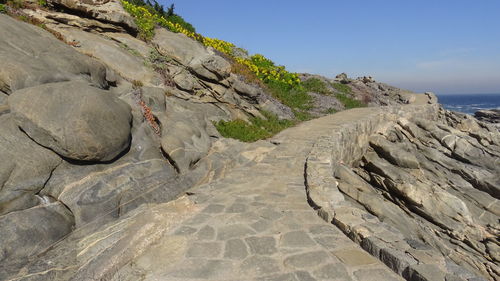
[(110, 11), (31, 56), (25, 167), (75, 120), (201, 61)]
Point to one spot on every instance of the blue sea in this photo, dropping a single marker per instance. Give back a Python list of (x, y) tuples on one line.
[(469, 103)]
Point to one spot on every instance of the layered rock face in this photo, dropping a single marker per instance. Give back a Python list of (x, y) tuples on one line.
[(421, 195)]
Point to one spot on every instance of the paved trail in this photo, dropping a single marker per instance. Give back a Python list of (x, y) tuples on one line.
[(257, 225)]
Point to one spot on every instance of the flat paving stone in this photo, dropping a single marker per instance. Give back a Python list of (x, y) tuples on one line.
[(204, 250), (261, 245), (185, 230), (206, 233), (203, 269), (297, 239), (304, 276), (259, 265), (305, 260), (261, 225), (375, 274), (237, 208), (233, 231), (355, 257), (334, 271), (214, 209), (235, 249)]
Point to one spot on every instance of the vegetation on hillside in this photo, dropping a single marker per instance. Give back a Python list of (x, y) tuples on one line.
[(283, 85), (256, 129), (317, 86), (343, 93), (257, 69)]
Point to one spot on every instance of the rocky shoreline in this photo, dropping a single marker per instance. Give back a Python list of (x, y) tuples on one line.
[(112, 169)]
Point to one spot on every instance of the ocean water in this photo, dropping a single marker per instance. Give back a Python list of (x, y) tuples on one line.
[(470, 103)]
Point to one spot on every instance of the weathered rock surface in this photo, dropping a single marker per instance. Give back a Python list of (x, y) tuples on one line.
[(104, 10), (490, 116), (21, 240), (25, 167), (37, 57), (419, 194), (74, 119)]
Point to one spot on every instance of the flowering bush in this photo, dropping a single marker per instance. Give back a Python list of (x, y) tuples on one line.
[(283, 85)]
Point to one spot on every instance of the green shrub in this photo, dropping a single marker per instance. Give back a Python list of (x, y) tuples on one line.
[(149, 14), (316, 85), (3, 9), (176, 19), (349, 102), (293, 97), (302, 115), (257, 129), (344, 89)]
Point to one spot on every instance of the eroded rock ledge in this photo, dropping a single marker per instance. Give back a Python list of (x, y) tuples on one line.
[(418, 188)]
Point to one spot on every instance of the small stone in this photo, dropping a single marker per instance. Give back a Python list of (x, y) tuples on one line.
[(262, 245), (235, 249), (296, 239), (204, 250), (306, 260)]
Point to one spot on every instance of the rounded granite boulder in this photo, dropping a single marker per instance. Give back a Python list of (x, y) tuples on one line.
[(74, 119)]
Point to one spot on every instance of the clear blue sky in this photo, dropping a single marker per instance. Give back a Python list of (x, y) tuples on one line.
[(443, 46)]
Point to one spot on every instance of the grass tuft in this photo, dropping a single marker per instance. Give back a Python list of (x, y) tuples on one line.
[(316, 85), (257, 129), (342, 88)]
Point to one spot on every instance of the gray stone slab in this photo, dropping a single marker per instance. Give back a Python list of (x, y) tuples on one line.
[(296, 239), (234, 231), (306, 260), (261, 245), (333, 271), (204, 250), (259, 265), (235, 249)]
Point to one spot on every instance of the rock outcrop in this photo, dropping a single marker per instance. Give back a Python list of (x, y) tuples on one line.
[(489, 116), (419, 194)]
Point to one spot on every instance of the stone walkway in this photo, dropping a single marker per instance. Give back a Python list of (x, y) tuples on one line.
[(257, 225)]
